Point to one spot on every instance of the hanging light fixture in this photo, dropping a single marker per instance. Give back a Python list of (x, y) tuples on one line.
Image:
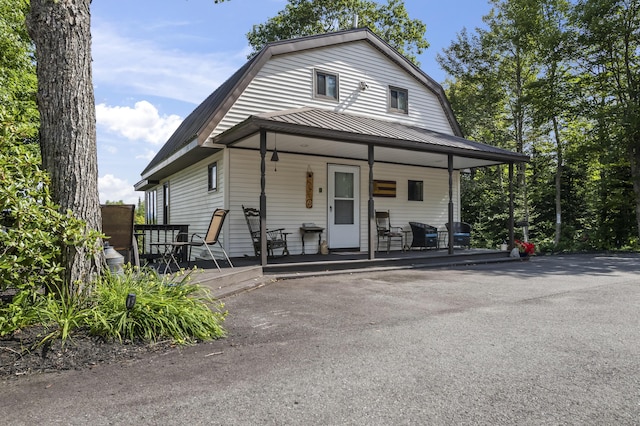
[(274, 155)]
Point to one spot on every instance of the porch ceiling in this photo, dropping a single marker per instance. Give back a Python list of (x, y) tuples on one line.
[(325, 133)]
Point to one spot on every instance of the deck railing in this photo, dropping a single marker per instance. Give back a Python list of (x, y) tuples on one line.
[(151, 237)]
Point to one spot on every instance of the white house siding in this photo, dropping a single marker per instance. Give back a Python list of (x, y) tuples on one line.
[(160, 201), (285, 189), (433, 210), (191, 202), (286, 82)]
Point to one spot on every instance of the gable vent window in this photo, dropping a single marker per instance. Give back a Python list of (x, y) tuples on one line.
[(398, 100), (326, 85)]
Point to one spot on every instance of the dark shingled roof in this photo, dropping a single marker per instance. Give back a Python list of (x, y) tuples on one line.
[(192, 126)]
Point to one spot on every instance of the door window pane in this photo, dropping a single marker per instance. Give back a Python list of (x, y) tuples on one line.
[(343, 185), (344, 212)]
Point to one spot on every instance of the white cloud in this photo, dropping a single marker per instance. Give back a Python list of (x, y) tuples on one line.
[(112, 188), (142, 122), (148, 155), (144, 67)]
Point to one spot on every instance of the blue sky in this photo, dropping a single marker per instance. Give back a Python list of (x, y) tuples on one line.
[(155, 61)]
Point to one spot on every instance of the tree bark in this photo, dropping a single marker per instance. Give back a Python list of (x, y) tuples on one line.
[(60, 30)]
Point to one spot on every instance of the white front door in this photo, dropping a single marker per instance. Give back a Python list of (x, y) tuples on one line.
[(344, 207)]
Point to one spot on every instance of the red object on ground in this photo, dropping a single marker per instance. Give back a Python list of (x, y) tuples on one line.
[(526, 247)]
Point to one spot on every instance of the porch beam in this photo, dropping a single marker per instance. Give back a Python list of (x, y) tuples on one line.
[(263, 198), (450, 218), (371, 206), (511, 209)]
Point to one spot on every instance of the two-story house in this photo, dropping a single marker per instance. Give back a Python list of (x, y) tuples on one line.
[(356, 126)]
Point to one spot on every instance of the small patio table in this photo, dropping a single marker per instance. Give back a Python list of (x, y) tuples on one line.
[(167, 256), (304, 230)]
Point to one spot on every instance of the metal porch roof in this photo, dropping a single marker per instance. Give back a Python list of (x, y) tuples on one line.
[(395, 142)]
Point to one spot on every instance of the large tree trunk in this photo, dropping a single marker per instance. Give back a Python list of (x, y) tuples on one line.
[(60, 30)]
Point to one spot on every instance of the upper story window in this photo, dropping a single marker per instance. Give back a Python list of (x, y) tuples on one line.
[(398, 100), (326, 85), (213, 176)]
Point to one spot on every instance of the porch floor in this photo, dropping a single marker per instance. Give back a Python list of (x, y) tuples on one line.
[(247, 272)]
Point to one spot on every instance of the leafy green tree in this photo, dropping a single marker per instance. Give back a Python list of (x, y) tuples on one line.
[(552, 92), (308, 17), (609, 41), (492, 70), (18, 84)]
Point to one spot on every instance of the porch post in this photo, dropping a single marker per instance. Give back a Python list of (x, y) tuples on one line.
[(511, 214), (263, 198), (450, 233), (371, 207)]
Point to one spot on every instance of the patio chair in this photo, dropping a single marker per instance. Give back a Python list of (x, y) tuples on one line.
[(424, 236), (461, 234), (117, 225), (276, 238), (386, 231), (211, 238)]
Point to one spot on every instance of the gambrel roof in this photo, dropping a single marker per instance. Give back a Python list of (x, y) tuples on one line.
[(187, 144)]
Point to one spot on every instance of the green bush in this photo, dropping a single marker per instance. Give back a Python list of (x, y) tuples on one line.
[(33, 232), (21, 312), (179, 311), (62, 312)]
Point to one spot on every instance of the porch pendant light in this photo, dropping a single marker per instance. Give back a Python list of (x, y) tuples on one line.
[(274, 154)]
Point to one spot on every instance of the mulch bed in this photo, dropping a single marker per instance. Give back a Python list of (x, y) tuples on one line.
[(21, 352)]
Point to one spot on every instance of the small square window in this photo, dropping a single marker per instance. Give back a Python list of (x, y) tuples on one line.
[(415, 190), (213, 177), (398, 100), (326, 85)]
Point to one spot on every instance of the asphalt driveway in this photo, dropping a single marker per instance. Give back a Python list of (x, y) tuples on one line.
[(555, 340)]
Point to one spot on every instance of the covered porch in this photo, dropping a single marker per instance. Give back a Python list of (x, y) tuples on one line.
[(338, 137)]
